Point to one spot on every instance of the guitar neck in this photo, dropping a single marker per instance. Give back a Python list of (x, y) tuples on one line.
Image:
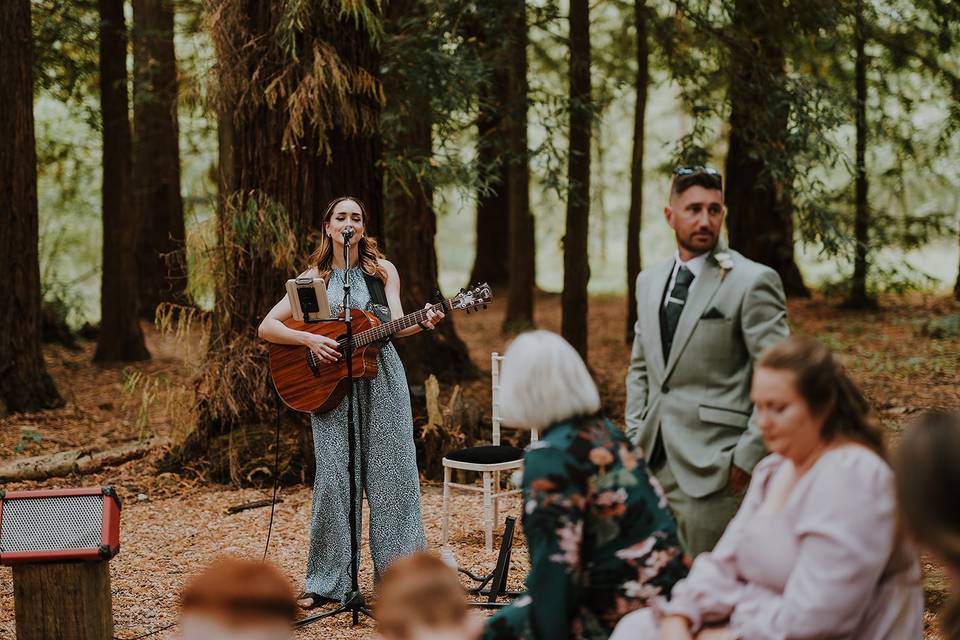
[(387, 329)]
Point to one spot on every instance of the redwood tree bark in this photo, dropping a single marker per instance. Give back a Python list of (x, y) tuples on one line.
[(273, 195), (410, 220), (635, 217), (156, 159), (24, 382), (492, 147), (956, 286), (120, 338), (576, 267), (760, 220), (522, 245), (861, 225), (299, 179)]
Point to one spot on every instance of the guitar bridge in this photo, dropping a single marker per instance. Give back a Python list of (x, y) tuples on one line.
[(312, 363)]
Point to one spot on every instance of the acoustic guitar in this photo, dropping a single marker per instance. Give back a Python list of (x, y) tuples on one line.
[(307, 383)]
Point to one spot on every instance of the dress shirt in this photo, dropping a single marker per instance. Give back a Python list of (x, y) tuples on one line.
[(694, 264)]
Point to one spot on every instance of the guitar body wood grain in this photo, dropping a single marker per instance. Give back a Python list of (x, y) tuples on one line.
[(311, 385)]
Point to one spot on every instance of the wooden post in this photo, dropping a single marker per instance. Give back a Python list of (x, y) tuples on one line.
[(63, 601)]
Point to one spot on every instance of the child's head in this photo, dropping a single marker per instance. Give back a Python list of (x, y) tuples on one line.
[(420, 597), (237, 599)]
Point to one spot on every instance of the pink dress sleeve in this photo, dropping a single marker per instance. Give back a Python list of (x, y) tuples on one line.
[(846, 535), (712, 589)]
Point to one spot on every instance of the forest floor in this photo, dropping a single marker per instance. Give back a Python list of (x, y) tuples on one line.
[(906, 354)]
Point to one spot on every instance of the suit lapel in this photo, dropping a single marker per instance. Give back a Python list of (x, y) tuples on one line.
[(704, 289), (652, 308)]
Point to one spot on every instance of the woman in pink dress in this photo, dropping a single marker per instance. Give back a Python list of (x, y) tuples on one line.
[(814, 550)]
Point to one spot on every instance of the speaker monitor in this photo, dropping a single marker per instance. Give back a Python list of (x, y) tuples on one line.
[(59, 525)]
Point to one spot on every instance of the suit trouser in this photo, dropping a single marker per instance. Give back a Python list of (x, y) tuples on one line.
[(700, 521)]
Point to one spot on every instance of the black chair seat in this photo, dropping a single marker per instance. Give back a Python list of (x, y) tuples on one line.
[(488, 454)]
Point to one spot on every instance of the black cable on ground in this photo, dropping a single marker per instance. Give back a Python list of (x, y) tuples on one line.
[(273, 506), (276, 475), (149, 633)]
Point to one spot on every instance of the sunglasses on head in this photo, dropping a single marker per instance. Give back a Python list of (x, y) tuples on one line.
[(695, 169)]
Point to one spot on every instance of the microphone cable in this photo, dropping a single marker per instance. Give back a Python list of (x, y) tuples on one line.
[(273, 506), (276, 474)]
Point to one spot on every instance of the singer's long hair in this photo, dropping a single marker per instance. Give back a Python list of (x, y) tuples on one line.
[(322, 257)]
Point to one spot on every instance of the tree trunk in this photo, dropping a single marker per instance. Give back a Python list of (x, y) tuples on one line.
[(760, 220), (492, 204), (576, 264), (290, 142), (287, 185), (635, 217), (410, 220), (156, 159), (861, 224), (24, 382), (522, 245), (120, 338), (956, 286), (63, 599)]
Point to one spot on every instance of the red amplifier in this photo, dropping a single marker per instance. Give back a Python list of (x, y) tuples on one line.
[(59, 525)]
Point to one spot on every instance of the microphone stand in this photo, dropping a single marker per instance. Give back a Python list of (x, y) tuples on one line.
[(355, 602)]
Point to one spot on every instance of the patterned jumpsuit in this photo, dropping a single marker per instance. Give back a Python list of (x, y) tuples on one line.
[(386, 468)]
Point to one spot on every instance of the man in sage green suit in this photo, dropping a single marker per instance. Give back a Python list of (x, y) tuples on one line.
[(703, 317)]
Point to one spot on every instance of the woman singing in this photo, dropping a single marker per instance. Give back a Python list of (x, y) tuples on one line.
[(387, 464)]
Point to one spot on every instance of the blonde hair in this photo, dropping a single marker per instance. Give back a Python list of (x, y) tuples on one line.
[(322, 257), (419, 591), (544, 381)]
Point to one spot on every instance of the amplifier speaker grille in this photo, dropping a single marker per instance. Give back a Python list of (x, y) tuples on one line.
[(65, 522)]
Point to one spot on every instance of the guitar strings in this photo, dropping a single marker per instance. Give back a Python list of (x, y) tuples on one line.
[(384, 330)]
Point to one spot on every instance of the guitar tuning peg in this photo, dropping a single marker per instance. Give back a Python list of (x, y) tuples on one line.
[(467, 311)]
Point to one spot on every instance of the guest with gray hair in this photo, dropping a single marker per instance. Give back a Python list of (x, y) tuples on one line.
[(601, 540)]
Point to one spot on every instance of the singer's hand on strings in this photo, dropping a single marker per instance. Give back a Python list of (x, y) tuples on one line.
[(323, 347), (434, 316)]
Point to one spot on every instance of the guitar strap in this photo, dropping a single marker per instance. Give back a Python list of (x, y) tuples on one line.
[(378, 294), (378, 297)]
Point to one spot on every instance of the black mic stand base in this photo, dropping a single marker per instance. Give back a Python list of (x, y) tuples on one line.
[(355, 604)]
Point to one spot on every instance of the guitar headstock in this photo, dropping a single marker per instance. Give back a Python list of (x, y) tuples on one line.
[(478, 295)]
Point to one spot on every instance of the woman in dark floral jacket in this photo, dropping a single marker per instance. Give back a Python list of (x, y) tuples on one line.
[(601, 540)]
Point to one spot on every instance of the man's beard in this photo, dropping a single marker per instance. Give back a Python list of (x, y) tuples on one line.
[(689, 246)]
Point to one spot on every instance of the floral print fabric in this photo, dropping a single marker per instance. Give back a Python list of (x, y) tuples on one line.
[(602, 542)]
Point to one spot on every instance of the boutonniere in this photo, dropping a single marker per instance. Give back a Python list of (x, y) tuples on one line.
[(725, 261)]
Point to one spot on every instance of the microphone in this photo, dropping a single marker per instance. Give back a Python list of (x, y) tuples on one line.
[(347, 233)]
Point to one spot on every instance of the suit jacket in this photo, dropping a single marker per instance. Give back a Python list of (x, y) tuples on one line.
[(698, 400)]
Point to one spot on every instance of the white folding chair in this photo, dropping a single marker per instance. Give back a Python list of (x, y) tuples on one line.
[(488, 460)]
